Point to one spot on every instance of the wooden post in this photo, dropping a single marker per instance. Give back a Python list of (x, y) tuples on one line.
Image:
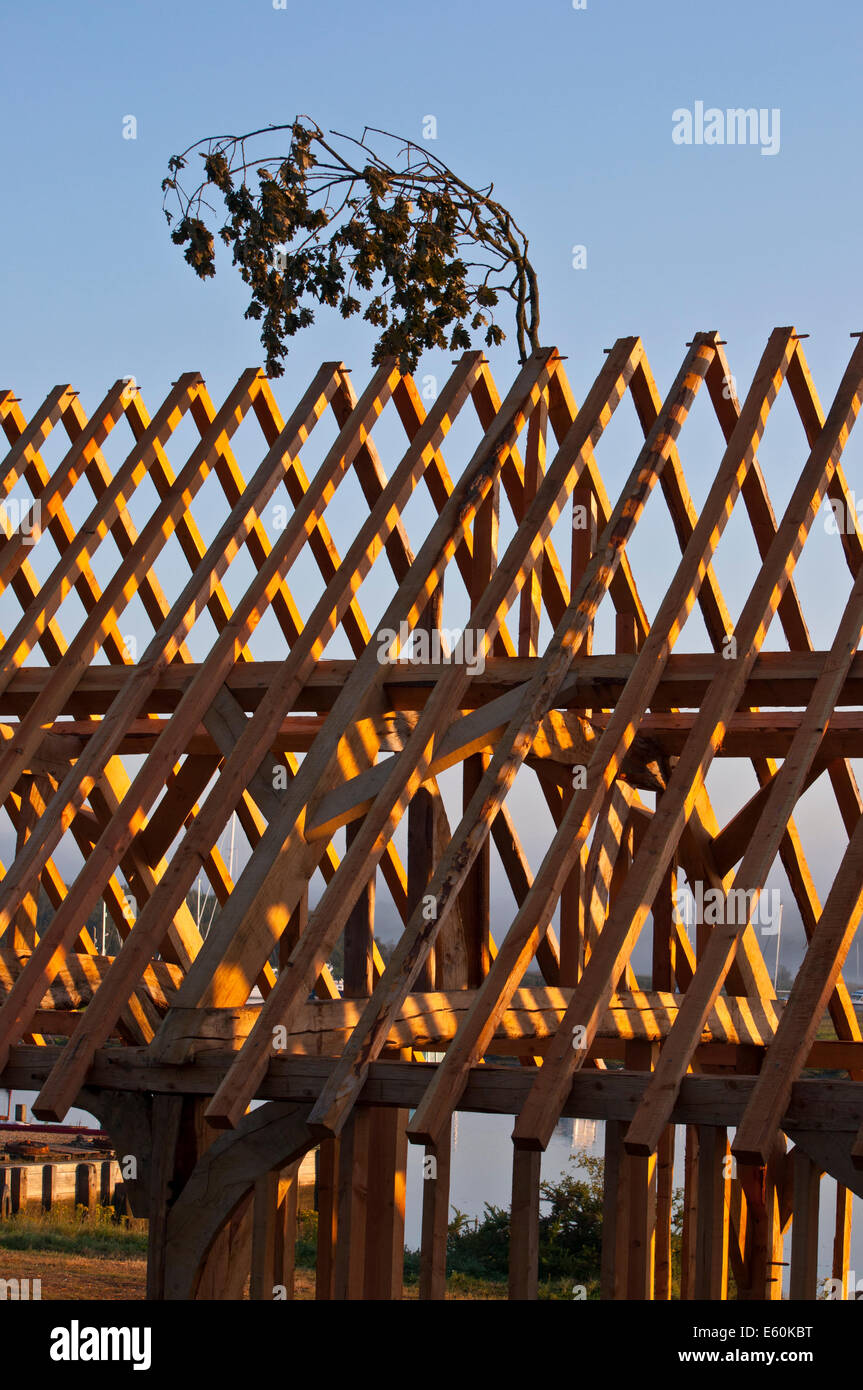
[(18, 1188), (435, 1218), (352, 1201), (664, 1201), (613, 1213), (640, 1182), (842, 1237), (105, 1183), (359, 934), (166, 1126), (47, 1186), (385, 1212), (524, 1224), (474, 898), (804, 1227), (267, 1238), (421, 840), (120, 1202), (584, 527), (326, 1186), (530, 601), (85, 1185), (690, 1214), (763, 1272), (711, 1226), (286, 1227)]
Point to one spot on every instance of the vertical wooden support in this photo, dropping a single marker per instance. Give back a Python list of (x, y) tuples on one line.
[(662, 912), (420, 867), (166, 1121), (226, 1265), (804, 1227), (297, 923), (524, 1224), (475, 895), (326, 1185), (625, 634), (105, 1183), (690, 1214), (613, 1214), (530, 601), (120, 1202), (711, 1225), (435, 1218), (23, 928), (266, 1214), (385, 1212), (763, 1273), (842, 1237), (85, 1185), (286, 1227), (664, 1202), (572, 918), (48, 1186), (584, 527), (274, 1233), (352, 1199), (359, 934), (640, 1182)]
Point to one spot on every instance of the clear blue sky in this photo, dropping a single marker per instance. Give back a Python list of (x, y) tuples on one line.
[(569, 111)]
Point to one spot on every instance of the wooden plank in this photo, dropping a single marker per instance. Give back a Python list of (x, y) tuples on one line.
[(353, 1178), (326, 1188), (804, 1229), (435, 1218), (613, 1212), (711, 1225), (524, 1225), (385, 1213), (842, 1237), (530, 603), (664, 1211)]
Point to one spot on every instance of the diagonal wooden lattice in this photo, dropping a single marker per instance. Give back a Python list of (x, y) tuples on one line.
[(220, 736)]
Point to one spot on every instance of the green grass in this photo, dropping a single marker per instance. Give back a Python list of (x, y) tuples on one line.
[(76, 1233)]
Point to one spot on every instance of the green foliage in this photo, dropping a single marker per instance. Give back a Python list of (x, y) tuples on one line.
[(323, 228), (570, 1236), (76, 1233), (306, 1249)]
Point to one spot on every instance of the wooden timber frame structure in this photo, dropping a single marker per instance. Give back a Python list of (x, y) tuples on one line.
[(220, 1061)]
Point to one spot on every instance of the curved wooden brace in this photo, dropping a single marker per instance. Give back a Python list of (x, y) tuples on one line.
[(270, 1137)]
